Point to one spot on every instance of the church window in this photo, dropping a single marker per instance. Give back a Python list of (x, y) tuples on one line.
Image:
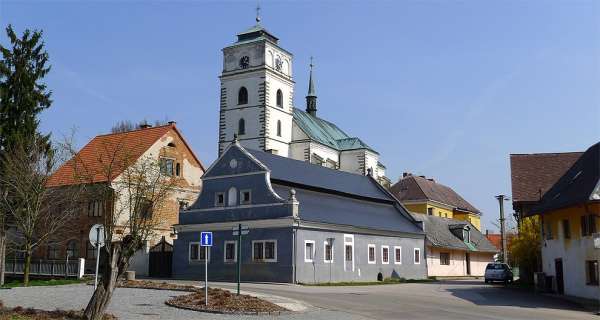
[(316, 159), (279, 98), (242, 127), (279, 128), (243, 96)]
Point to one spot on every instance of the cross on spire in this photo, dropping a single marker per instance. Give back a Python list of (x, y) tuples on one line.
[(257, 12)]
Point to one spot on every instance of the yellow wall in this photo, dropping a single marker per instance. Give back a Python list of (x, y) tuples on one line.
[(554, 219), (438, 211), (467, 216)]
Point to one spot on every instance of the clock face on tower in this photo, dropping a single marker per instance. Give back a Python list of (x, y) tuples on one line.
[(244, 62), (278, 64)]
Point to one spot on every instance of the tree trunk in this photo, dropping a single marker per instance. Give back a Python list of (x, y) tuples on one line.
[(27, 267), (2, 255), (112, 271)]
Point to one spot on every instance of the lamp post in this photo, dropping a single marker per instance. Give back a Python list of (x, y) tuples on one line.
[(501, 198)]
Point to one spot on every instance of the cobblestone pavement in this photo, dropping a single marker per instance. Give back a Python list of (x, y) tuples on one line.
[(136, 304)]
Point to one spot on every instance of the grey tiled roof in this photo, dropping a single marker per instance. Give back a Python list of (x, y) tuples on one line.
[(311, 175), (439, 234)]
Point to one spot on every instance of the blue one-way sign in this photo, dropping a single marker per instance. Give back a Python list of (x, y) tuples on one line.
[(206, 239)]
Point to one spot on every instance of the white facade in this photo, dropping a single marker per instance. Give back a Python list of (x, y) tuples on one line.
[(258, 64), (456, 265), (573, 253)]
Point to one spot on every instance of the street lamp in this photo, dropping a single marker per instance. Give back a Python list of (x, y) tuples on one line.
[(501, 198)]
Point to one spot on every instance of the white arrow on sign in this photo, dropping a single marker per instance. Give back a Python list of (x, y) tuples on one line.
[(206, 238)]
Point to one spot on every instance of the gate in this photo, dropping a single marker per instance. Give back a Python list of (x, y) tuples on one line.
[(161, 259)]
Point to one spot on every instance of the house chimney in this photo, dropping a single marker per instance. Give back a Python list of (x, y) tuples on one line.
[(406, 174), (431, 179), (145, 125), (422, 177), (172, 123)]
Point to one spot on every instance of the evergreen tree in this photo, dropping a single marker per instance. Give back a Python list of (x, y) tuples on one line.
[(23, 96)]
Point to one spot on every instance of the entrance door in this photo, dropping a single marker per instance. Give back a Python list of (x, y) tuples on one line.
[(160, 260), (468, 263), (558, 268)]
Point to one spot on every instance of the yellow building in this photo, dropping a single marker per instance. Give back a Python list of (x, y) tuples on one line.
[(569, 213), (421, 195)]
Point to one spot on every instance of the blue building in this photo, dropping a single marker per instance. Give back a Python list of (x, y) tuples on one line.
[(307, 224)]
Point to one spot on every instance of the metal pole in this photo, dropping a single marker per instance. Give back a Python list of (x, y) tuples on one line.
[(97, 256), (239, 258), (206, 275), (502, 228)]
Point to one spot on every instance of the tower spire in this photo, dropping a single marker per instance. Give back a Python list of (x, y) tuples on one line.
[(311, 97)]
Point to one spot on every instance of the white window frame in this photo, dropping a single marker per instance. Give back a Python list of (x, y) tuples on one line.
[(325, 244), (314, 250), (235, 253), (351, 244), (199, 248), (388, 254), (397, 261), (217, 204), (264, 248), (369, 254), (242, 196), (417, 252)]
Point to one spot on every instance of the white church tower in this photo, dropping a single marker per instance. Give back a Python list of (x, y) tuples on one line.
[(257, 91)]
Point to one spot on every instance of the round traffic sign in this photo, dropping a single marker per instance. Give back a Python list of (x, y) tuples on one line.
[(97, 236)]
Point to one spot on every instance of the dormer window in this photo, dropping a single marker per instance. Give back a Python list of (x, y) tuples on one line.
[(219, 199), (467, 235)]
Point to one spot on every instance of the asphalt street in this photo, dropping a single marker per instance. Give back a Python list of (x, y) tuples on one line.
[(462, 300)]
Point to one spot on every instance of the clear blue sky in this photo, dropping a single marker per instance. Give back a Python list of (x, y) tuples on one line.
[(447, 89)]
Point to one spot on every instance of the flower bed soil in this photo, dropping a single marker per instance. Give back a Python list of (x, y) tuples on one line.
[(35, 314), (223, 301), (144, 284)]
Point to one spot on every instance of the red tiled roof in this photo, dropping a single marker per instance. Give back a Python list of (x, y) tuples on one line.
[(496, 240), (417, 188), (90, 164), (534, 174)]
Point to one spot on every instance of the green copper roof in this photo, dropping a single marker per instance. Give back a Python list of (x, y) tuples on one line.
[(471, 246), (257, 31), (327, 133)]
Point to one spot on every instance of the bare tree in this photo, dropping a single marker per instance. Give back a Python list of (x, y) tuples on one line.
[(134, 194), (37, 210)]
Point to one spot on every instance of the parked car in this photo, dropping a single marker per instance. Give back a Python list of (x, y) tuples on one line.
[(497, 271)]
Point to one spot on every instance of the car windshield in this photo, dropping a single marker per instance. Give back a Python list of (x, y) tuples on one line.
[(496, 266)]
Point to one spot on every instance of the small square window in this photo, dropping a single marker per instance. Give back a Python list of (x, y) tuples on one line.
[(444, 258), (246, 196), (219, 199)]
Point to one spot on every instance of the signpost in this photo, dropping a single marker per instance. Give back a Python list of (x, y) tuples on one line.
[(206, 240), (239, 231), (97, 237)]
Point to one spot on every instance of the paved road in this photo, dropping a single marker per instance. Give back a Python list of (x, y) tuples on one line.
[(460, 300), (447, 300)]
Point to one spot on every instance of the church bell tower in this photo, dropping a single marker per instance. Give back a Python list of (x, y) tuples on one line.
[(257, 91)]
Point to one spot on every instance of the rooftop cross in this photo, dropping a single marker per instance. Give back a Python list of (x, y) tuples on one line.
[(257, 13)]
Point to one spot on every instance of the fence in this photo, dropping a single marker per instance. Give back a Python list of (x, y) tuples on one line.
[(48, 268)]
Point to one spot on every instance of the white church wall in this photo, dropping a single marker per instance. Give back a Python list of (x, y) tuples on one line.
[(351, 161), (371, 160), (233, 54), (297, 133), (232, 86), (297, 150), (324, 152)]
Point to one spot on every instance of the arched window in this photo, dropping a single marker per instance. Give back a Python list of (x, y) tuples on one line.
[(279, 128), (279, 98), (72, 249), (243, 96), (232, 196), (241, 127)]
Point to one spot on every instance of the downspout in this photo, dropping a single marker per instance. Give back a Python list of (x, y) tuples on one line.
[(294, 252)]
